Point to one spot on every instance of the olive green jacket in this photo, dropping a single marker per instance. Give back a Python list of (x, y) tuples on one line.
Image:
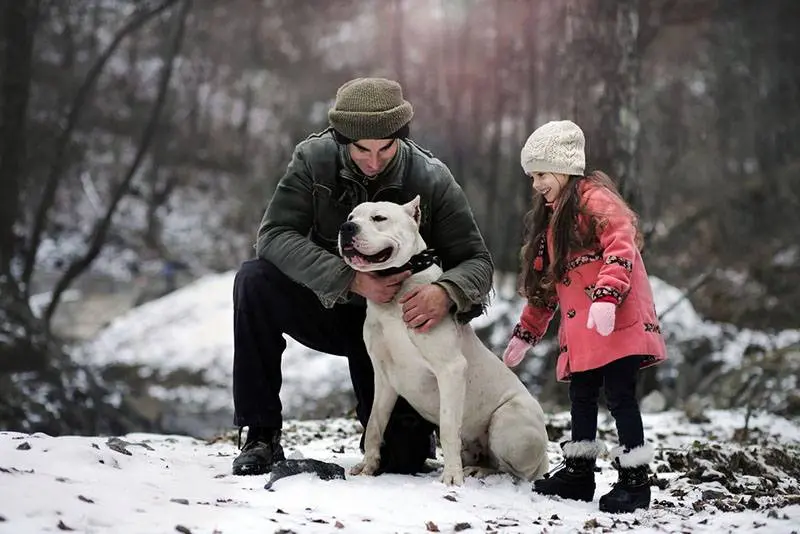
[(299, 230)]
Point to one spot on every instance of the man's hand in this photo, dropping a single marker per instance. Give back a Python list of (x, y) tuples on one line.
[(425, 306), (378, 288)]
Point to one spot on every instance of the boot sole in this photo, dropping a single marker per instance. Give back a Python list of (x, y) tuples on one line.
[(250, 470), (610, 510), (583, 498)]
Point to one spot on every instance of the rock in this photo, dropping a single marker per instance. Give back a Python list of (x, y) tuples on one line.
[(695, 410), (653, 402), (286, 468)]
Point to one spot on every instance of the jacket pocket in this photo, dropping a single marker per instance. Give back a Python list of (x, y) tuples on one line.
[(627, 313)]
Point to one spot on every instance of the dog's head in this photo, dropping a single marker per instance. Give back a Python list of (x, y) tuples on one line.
[(381, 235)]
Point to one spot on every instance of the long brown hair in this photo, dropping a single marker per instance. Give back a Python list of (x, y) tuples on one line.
[(538, 286)]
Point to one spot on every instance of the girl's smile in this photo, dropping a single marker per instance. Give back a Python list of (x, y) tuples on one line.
[(549, 184)]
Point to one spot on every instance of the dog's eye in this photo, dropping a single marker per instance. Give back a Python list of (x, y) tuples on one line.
[(378, 218), (349, 217)]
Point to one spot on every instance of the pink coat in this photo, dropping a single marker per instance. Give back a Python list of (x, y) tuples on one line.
[(613, 272)]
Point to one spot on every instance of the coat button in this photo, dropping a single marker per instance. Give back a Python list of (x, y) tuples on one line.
[(571, 313)]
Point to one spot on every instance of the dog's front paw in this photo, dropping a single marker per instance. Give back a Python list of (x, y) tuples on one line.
[(453, 476), (368, 466)]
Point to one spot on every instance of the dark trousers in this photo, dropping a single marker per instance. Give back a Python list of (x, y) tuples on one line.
[(618, 379), (268, 304)]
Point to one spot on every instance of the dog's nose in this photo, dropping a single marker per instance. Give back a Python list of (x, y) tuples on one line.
[(348, 230)]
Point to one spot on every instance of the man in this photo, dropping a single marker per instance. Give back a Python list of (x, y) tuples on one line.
[(299, 286)]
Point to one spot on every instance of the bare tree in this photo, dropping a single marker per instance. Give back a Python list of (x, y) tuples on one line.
[(57, 169), (101, 226)]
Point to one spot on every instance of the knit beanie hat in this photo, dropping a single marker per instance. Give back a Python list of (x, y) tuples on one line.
[(370, 108), (557, 146)]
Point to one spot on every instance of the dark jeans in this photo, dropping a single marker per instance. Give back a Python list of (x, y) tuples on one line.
[(268, 304), (619, 381)]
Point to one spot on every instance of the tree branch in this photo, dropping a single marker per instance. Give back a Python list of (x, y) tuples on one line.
[(101, 227), (63, 140)]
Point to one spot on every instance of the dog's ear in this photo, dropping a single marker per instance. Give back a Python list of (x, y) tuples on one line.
[(412, 208)]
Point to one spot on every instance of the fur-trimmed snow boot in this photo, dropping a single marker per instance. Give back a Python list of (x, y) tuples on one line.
[(575, 479), (632, 490)]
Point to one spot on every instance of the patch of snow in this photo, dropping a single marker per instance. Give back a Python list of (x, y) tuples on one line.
[(164, 483)]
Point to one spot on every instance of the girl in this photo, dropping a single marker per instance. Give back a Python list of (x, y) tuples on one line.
[(582, 255)]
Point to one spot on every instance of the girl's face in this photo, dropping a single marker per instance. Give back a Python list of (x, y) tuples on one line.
[(549, 184)]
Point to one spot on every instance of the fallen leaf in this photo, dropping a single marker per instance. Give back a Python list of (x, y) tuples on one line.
[(591, 524), (85, 499), (118, 445), (62, 526), (430, 526)]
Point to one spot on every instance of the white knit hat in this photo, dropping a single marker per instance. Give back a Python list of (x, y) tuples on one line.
[(557, 146)]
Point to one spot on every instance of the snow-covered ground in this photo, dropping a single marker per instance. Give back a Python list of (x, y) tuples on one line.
[(143, 483)]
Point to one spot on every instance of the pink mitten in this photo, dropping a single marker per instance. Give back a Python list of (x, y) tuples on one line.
[(515, 352), (601, 317)]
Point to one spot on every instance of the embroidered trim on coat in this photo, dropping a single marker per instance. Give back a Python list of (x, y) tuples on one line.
[(583, 259), (528, 337), (607, 292), (589, 290), (626, 263)]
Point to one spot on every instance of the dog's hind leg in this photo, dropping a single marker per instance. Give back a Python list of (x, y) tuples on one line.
[(518, 440)]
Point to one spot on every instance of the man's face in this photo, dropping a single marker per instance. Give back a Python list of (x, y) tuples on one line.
[(372, 155)]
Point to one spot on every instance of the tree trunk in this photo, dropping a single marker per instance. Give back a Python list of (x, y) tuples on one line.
[(19, 23)]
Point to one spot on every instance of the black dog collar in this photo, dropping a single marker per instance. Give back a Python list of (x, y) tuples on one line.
[(417, 263)]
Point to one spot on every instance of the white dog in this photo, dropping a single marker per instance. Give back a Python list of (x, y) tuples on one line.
[(488, 421)]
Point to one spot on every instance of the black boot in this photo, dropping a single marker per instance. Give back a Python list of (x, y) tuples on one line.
[(261, 450), (576, 479), (632, 490)]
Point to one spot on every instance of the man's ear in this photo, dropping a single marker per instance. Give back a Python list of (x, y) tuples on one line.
[(412, 208)]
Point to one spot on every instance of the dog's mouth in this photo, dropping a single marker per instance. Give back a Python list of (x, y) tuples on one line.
[(351, 253)]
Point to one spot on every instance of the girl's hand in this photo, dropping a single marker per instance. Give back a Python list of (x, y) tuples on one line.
[(601, 317), (515, 352)]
